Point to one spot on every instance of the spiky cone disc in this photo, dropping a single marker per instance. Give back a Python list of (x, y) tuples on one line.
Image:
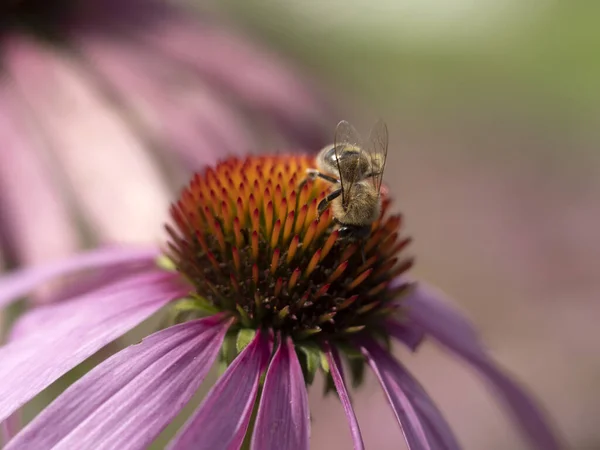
[(248, 239)]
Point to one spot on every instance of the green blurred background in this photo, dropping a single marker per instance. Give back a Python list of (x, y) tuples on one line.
[(536, 61)]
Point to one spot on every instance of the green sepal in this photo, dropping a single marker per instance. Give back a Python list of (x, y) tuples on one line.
[(356, 363), (228, 349), (324, 363), (384, 339), (307, 333), (329, 386), (244, 337), (348, 350), (284, 312), (195, 303), (357, 371), (221, 367), (310, 356), (353, 330), (166, 263), (243, 315)]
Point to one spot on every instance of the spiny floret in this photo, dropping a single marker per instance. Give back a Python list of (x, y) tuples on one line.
[(249, 240)]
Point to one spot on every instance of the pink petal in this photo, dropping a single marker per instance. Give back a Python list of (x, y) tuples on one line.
[(190, 121), (82, 327), (408, 418), (30, 193), (428, 309), (264, 83), (335, 366), (18, 284), (130, 398), (436, 429), (115, 172), (100, 280), (131, 72), (222, 419), (41, 318), (283, 420)]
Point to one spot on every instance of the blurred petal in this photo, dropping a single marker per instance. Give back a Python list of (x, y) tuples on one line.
[(130, 398), (243, 70), (428, 309), (29, 195), (409, 335), (82, 327), (17, 284), (408, 418), (175, 105), (434, 424), (335, 367), (283, 420), (222, 419), (92, 143)]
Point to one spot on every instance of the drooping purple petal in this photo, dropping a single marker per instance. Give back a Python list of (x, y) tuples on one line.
[(20, 283), (436, 429), (410, 421), (82, 327), (336, 368), (222, 419), (283, 420), (407, 334), (130, 398), (429, 311)]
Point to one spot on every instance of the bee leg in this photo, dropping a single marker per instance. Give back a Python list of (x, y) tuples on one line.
[(354, 232), (329, 178), (312, 174), (323, 204)]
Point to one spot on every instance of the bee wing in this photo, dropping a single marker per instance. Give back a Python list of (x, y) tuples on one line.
[(347, 136), (377, 147)]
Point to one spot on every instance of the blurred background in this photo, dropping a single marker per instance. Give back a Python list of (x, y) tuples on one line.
[(493, 109)]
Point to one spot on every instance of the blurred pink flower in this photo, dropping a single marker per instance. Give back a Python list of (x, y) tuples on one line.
[(92, 91), (265, 287)]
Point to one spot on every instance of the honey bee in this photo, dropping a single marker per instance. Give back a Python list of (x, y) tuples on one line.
[(355, 170)]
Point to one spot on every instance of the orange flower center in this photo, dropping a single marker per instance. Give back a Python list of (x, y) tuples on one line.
[(248, 238)]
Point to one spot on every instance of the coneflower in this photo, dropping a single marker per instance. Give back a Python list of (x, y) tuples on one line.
[(254, 280), (91, 86)]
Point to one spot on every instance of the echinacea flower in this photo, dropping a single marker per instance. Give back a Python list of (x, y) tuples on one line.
[(251, 277), (92, 90)]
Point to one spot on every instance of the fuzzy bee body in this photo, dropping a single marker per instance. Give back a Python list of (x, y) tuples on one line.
[(355, 171)]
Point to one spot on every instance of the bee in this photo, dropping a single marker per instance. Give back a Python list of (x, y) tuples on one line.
[(355, 170)]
